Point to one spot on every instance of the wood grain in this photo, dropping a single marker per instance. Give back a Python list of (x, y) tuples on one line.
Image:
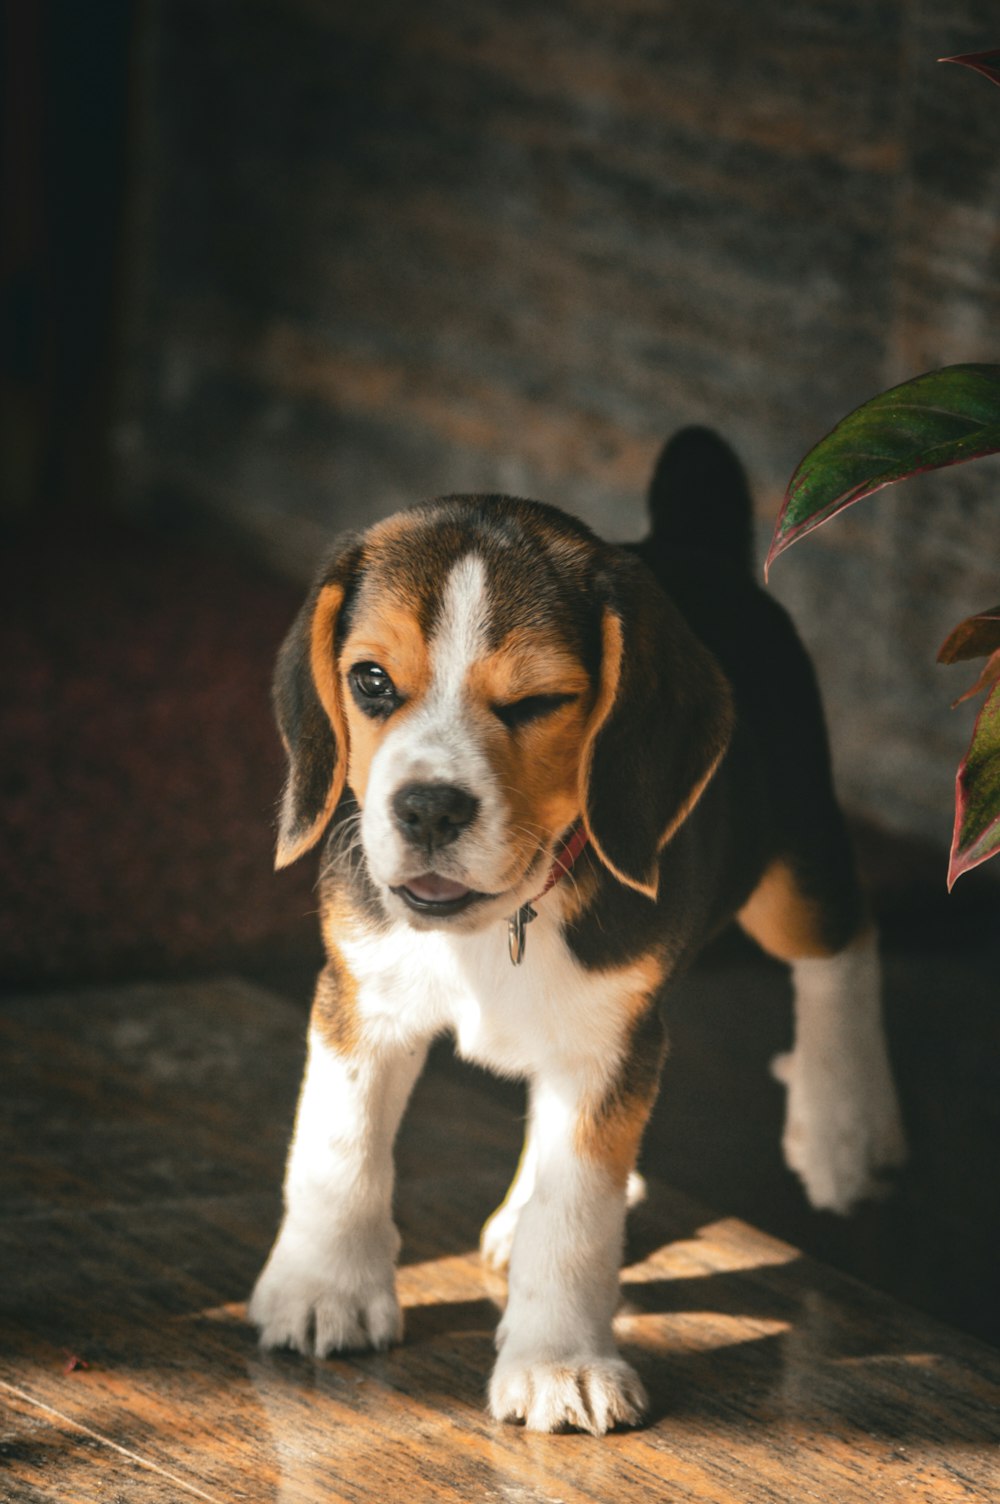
[(140, 1200)]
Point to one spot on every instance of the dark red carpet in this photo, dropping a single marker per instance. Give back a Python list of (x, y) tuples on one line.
[(140, 764)]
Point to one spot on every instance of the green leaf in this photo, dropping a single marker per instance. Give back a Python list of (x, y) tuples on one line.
[(972, 638), (941, 418), (986, 63), (977, 794)]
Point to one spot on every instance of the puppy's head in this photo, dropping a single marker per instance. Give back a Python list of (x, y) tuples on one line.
[(482, 673)]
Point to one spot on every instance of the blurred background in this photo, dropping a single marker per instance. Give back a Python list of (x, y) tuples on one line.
[(270, 269)]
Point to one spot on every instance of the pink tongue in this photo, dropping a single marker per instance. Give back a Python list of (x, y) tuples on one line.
[(434, 889)]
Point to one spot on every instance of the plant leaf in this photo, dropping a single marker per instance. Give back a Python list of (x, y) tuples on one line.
[(990, 675), (986, 63), (972, 638), (941, 418), (977, 794)]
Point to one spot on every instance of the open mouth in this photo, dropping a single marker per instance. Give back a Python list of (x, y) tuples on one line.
[(430, 894)]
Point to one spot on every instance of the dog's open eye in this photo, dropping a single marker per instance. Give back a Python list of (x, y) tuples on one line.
[(531, 708), (373, 690)]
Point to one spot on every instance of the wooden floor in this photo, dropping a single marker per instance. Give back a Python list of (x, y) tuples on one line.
[(139, 1195)]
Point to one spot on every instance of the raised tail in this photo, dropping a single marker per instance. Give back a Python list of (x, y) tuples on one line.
[(699, 499)]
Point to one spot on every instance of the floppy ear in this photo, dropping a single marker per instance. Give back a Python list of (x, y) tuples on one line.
[(310, 713), (659, 728)]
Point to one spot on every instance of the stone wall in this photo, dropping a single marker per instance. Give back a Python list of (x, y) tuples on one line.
[(384, 251)]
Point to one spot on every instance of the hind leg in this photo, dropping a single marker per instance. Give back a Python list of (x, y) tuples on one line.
[(497, 1237), (842, 1124)]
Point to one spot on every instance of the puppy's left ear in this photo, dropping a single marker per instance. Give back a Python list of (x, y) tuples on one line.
[(310, 713), (659, 728)]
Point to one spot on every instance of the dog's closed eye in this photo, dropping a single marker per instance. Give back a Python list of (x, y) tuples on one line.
[(530, 708)]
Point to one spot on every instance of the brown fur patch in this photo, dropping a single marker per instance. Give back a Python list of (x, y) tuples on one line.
[(785, 921), (612, 648), (611, 1134), (335, 1010), (321, 665), (321, 654), (609, 1131), (387, 632), (536, 766), (528, 663)]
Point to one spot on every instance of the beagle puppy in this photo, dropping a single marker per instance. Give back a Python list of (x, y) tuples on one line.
[(547, 770)]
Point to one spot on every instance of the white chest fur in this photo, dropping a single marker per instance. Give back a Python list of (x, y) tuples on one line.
[(548, 1013)]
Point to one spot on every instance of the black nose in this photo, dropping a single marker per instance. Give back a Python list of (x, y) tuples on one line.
[(432, 815)]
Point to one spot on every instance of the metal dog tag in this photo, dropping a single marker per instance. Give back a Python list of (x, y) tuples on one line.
[(517, 925)]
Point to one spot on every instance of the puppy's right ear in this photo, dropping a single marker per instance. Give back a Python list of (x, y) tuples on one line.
[(310, 711)]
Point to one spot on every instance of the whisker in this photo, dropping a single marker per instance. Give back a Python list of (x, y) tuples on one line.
[(345, 842), (566, 873)]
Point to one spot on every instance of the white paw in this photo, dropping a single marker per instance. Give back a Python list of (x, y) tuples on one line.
[(587, 1393), (839, 1134), (321, 1305)]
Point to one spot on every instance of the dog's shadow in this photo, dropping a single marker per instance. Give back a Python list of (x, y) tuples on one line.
[(776, 1341)]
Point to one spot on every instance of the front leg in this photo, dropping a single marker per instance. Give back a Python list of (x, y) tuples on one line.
[(558, 1365), (329, 1283)]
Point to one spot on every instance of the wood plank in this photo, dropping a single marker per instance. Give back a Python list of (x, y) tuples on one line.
[(770, 1376), (43, 1455)]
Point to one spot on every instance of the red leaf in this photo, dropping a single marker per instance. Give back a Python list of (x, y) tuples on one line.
[(986, 63), (974, 637), (976, 835), (989, 676)]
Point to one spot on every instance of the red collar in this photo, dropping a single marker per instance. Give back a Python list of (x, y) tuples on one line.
[(562, 862), (565, 858)]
